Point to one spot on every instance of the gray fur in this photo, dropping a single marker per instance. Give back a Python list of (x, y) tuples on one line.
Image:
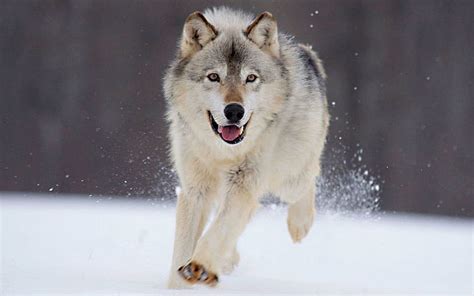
[(283, 131)]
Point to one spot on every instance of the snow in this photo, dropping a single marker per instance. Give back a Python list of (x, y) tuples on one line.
[(66, 244)]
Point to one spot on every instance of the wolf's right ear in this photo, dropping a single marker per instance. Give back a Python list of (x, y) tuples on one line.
[(197, 32)]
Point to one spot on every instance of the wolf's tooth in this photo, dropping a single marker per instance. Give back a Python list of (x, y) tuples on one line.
[(219, 129), (241, 130)]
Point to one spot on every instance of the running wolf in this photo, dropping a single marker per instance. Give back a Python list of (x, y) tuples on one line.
[(248, 115)]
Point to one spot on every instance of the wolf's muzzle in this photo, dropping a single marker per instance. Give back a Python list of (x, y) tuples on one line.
[(229, 133)]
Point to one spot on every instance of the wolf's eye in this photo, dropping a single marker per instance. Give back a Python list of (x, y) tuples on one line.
[(251, 78), (213, 77)]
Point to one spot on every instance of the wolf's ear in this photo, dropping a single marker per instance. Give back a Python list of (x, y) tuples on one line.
[(197, 32), (263, 31)]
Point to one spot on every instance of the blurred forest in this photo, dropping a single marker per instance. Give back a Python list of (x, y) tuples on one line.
[(81, 105)]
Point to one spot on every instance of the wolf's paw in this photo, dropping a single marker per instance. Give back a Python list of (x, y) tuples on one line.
[(299, 224), (231, 262), (194, 273)]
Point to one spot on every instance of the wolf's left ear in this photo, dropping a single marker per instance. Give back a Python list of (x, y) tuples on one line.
[(197, 32), (263, 31)]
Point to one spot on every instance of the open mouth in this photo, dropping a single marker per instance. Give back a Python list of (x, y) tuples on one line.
[(231, 134)]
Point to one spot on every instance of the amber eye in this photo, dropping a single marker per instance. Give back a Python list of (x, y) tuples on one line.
[(213, 77), (251, 78)]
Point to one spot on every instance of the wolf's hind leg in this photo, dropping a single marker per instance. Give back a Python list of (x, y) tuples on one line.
[(301, 215)]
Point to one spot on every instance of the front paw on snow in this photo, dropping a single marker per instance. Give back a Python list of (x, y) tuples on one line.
[(195, 273)]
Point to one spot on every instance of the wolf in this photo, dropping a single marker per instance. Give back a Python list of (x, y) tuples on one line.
[(247, 113)]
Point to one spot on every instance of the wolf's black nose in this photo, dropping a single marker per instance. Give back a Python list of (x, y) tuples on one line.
[(234, 112)]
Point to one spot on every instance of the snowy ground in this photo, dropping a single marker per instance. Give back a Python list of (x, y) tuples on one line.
[(68, 245)]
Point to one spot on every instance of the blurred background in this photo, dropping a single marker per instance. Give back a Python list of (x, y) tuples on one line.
[(81, 104)]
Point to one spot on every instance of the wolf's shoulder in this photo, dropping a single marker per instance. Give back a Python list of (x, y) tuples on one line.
[(310, 58)]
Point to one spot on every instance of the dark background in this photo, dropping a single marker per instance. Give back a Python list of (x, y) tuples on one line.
[(81, 106)]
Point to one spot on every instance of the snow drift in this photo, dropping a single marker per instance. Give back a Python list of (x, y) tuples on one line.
[(62, 244)]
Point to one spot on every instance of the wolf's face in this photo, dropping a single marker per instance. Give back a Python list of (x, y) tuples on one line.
[(229, 84)]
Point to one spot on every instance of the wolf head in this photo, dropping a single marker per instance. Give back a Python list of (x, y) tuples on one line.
[(228, 82)]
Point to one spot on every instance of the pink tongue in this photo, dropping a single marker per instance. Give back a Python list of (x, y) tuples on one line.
[(230, 132)]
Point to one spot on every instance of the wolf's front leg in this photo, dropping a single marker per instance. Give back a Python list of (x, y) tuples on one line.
[(219, 241), (301, 214), (192, 213)]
